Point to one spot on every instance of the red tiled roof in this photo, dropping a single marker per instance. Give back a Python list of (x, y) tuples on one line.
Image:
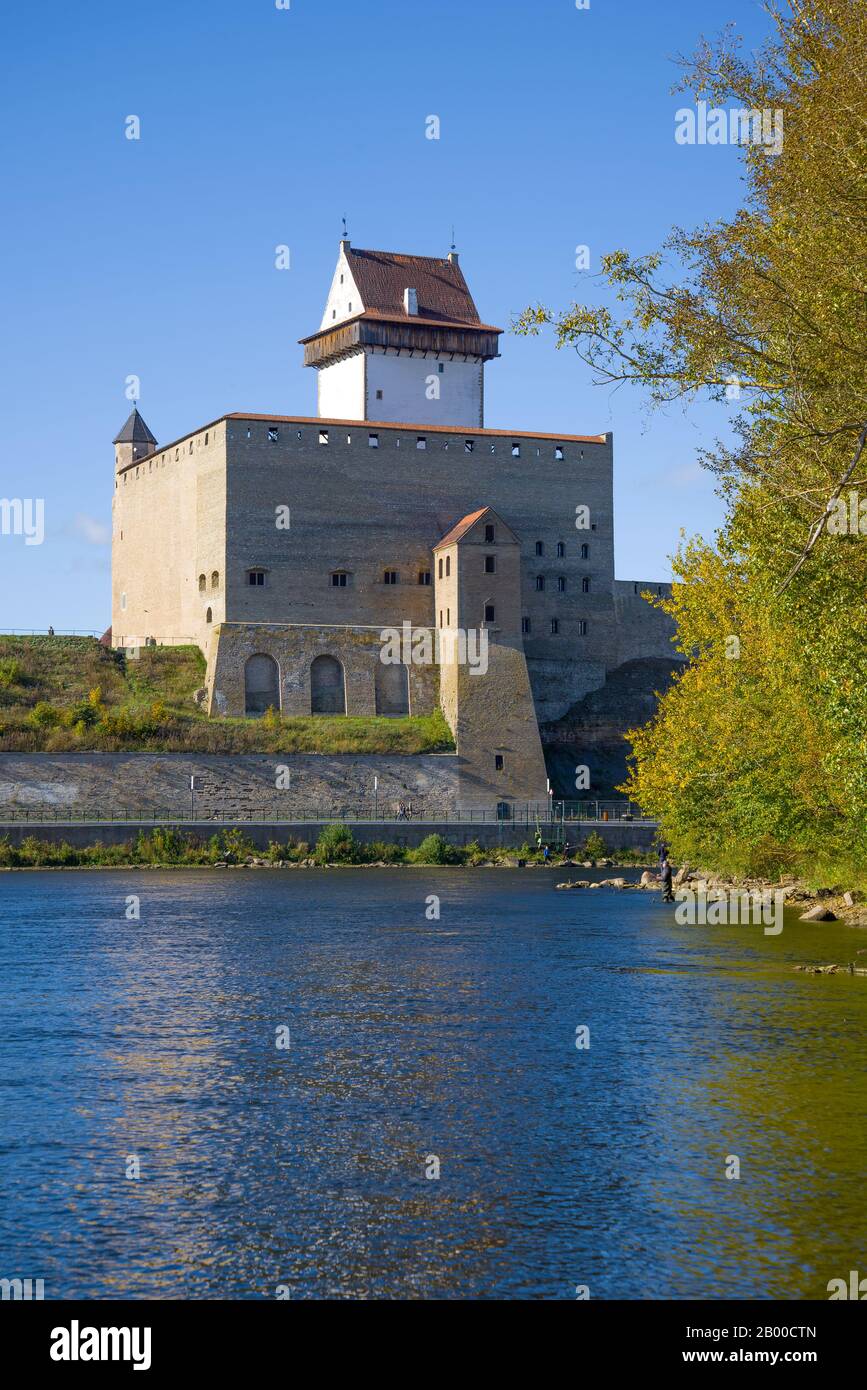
[(382, 277), (461, 529)]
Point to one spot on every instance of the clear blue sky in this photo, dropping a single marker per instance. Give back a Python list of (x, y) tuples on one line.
[(262, 126)]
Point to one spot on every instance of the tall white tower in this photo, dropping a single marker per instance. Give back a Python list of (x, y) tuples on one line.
[(401, 342)]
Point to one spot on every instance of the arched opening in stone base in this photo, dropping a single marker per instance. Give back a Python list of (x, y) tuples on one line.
[(261, 686), (327, 686), (392, 689)]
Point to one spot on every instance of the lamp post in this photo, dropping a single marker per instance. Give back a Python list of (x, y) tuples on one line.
[(375, 797)]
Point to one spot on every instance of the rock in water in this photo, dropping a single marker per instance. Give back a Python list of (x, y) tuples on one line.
[(818, 914)]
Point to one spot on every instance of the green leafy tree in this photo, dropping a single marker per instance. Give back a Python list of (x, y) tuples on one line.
[(757, 759)]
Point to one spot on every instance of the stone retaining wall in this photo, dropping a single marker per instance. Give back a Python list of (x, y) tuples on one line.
[(237, 785)]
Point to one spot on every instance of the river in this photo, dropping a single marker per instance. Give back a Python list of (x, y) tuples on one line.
[(416, 1046)]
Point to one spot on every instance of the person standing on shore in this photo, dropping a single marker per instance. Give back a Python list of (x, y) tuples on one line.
[(665, 879)]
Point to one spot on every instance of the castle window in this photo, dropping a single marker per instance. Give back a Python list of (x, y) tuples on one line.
[(202, 582), (469, 446), (373, 441), (441, 616), (558, 452), (389, 577), (215, 579), (448, 565), (191, 446), (498, 762), (582, 627), (424, 576), (489, 535), (440, 569), (273, 435), (540, 548), (585, 552), (561, 550), (334, 313), (504, 810), (490, 564), (349, 439), (256, 578), (339, 579), (323, 436), (379, 395), (561, 583), (206, 436), (249, 433), (350, 306), (341, 279), (209, 616), (555, 625), (490, 613), (123, 601), (540, 583), (421, 442), (516, 451), (448, 617), (526, 625), (585, 584), (440, 368)]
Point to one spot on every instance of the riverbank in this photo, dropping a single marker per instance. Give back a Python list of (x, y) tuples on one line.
[(819, 904), (336, 845)]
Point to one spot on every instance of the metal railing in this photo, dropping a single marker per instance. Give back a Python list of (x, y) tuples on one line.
[(529, 814), (55, 632)]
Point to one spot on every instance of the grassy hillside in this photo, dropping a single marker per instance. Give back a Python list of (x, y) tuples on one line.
[(69, 694)]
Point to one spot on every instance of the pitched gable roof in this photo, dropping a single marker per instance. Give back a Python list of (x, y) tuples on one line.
[(382, 277), (467, 523), (135, 431)]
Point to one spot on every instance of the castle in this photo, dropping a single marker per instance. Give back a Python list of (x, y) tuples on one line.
[(293, 550)]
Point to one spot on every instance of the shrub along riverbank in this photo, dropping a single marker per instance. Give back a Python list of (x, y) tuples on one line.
[(165, 847)]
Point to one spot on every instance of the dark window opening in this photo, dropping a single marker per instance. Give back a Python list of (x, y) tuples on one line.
[(540, 582), (490, 564), (424, 576), (489, 535), (389, 577), (489, 613), (498, 762)]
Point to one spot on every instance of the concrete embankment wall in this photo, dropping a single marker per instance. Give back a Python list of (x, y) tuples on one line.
[(617, 835)]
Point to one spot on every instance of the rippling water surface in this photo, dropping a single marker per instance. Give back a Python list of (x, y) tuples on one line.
[(411, 1038)]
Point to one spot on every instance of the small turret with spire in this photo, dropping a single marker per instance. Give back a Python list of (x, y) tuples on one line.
[(134, 441)]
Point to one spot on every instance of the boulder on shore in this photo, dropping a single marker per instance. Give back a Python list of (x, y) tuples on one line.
[(818, 914)]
